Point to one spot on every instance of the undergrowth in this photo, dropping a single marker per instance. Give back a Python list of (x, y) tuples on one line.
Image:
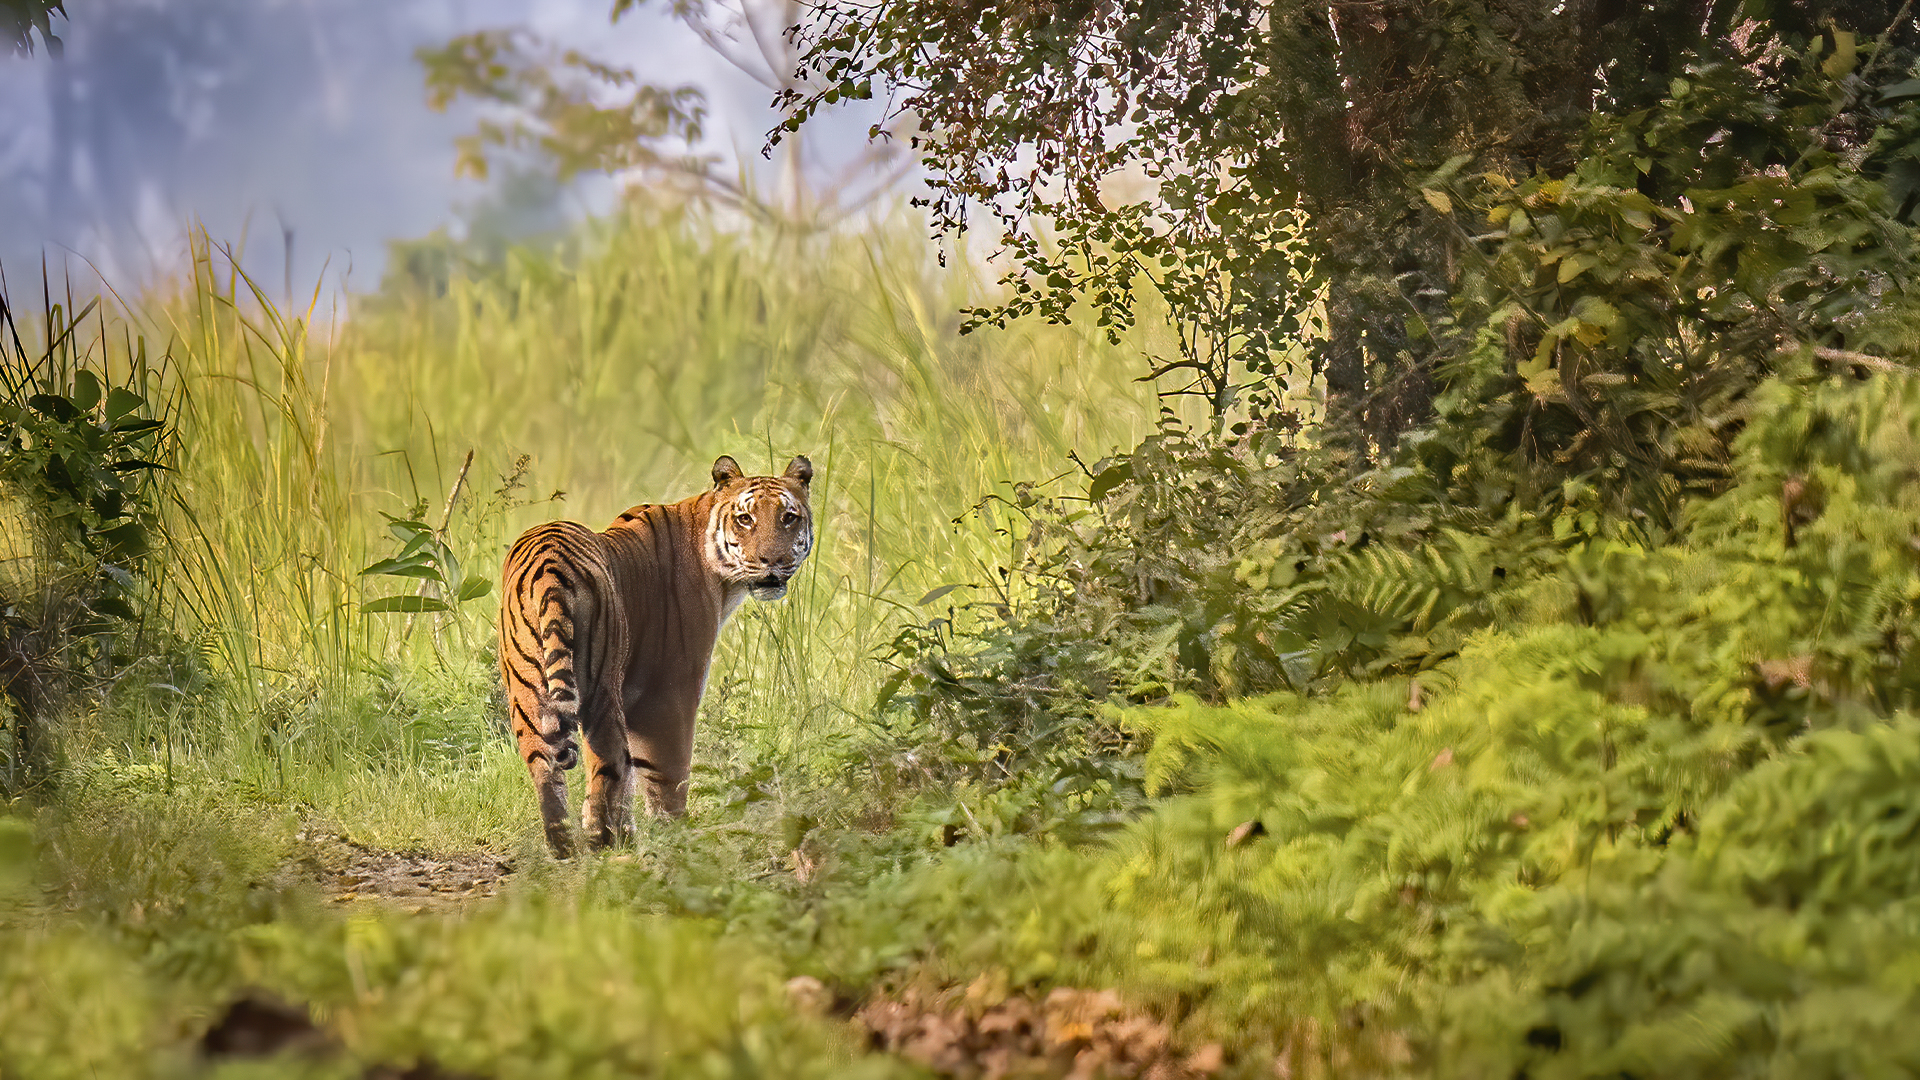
[(1336, 760)]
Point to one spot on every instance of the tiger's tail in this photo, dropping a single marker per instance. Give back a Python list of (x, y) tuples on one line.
[(559, 712)]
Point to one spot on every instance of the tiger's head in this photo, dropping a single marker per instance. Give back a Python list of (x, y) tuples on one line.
[(760, 528)]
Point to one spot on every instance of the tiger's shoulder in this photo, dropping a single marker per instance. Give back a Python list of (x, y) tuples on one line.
[(553, 536), (563, 553)]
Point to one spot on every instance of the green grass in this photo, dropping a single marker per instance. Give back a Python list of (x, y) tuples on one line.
[(1605, 837), (617, 367)]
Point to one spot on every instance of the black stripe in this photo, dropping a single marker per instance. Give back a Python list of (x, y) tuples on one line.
[(524, 654)]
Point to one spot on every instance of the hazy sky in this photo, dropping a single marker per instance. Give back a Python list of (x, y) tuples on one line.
[(256, 115)]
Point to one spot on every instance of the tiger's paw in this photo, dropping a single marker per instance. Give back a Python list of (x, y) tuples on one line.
[(611, 833)]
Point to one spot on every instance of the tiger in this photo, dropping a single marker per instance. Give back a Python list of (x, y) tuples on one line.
[(610, 635)]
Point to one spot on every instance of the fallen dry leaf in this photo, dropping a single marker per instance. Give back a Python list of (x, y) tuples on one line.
[(1244, 832)]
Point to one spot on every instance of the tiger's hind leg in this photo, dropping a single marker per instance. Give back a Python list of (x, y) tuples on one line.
[(660, 740), (543, 733), (606, 815), (547, 748), (538, 612)]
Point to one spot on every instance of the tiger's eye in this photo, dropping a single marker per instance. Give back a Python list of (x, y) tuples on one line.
[(745, 521)]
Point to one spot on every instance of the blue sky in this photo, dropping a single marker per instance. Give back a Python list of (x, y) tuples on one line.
[(258, 116)]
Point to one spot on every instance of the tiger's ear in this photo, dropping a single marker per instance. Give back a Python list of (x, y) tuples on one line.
[(800, 469), (725, 469)]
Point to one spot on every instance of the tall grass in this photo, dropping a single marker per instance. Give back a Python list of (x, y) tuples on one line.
[(613, 368)]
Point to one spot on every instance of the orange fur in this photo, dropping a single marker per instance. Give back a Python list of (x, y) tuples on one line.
[(609, 635)]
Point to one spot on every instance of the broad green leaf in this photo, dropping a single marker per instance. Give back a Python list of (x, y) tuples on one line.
[(1544, 384), (889, 688), (53, 406), (1845, 55), (1596, 312), (449, 566), (407, 530), (1111, 477), (411, 604), (86, 390), (940, 592), (1574, 265), (122, 401), (475, 587), (405, 566)]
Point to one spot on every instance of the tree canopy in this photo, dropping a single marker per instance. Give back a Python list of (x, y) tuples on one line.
[(1368, 161), (20, 18)]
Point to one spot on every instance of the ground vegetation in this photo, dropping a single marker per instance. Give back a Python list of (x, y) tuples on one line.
[(1529, 693)]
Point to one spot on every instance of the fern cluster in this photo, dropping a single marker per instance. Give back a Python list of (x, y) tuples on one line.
[(1644, 809)]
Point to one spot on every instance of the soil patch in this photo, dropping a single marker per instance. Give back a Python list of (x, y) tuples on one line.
[(973, 1031), (348, 871), (259, 1025)]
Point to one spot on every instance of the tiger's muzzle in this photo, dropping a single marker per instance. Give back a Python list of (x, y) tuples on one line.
[(771, 585)]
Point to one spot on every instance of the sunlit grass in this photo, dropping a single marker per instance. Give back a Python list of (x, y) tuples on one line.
[(618, 368), (272, 707)]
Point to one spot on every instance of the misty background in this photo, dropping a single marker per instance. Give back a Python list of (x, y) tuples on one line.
[(298, 131)]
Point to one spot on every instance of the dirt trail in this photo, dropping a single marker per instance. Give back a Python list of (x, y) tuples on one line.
[(350, 871)]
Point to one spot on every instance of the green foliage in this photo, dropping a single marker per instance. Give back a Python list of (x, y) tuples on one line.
[(424, 554), (20, 18), (1602, 353), (1232, 567), (604, 992), (1654, 819), (1615, 317), (57, 980), (81, 455), (1243, 161), (181, 905), (552, 102), (84, 480)]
